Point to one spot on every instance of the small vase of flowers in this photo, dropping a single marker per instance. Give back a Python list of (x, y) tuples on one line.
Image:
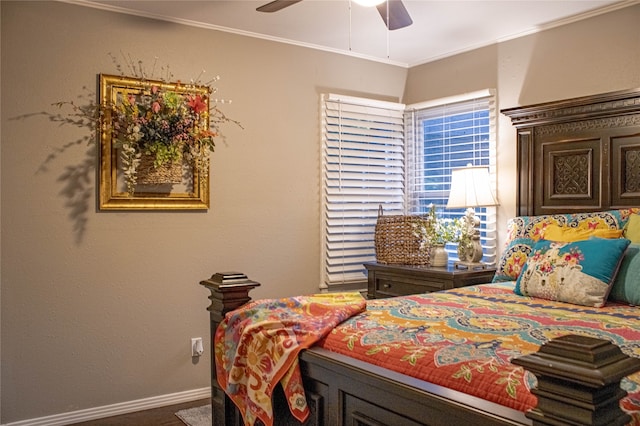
[(436, 232)]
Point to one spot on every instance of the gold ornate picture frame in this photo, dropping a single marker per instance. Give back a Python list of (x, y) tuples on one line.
[(132, 109)]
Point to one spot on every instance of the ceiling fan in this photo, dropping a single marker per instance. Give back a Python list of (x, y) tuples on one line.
[(394, 10)]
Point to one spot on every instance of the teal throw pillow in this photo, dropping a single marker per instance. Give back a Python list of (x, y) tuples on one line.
[(626, 286), (580, 272)]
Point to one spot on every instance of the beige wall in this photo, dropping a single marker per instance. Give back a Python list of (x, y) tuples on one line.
[(107, 316), (99, 308)]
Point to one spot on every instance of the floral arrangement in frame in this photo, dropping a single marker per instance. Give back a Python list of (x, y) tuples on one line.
[(155, 140)]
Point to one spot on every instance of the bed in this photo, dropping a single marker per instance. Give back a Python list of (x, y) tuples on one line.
[(578, 162)]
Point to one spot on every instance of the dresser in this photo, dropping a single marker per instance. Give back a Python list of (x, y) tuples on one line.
[(399, 280)]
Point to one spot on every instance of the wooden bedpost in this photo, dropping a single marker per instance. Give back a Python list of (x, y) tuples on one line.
[(229, 290), (578, 381)]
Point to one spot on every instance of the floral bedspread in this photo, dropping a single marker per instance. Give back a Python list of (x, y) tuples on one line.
[(464, 338), (257, 346)]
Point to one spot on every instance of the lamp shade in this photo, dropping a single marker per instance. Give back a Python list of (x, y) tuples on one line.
[(471, 187)]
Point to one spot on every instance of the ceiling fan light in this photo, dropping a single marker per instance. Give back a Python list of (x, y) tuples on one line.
[(369, 3)]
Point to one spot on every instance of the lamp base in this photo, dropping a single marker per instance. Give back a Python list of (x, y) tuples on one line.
[(461, 264), (470, 248)]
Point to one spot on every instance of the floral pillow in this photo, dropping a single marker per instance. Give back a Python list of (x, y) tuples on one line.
[(524, 231), (569, 234), (580, 272), (513, 259)]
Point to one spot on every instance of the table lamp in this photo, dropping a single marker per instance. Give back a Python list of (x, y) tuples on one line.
[(471, 187)]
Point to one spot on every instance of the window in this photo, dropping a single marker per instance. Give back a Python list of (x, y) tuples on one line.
[(444, 135), (365, 164), (363, 167)]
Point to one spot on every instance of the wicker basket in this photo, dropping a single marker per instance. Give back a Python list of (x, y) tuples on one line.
[(396, 240), (148, 174)]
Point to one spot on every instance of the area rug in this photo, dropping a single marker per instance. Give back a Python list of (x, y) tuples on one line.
[(197, 416)]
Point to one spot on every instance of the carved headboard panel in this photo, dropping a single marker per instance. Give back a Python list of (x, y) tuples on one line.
[(579, 154)]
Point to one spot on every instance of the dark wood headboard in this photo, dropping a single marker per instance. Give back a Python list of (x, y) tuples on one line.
[(579, 154)]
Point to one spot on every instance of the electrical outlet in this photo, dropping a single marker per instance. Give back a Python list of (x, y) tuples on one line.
[(196, 346)]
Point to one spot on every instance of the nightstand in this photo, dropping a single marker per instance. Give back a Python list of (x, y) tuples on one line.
[(400, 280)]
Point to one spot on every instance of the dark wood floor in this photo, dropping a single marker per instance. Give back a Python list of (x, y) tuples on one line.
[(163, 416)]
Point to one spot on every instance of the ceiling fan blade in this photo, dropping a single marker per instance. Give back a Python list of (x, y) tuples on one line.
[(276, 5), (398, 15)]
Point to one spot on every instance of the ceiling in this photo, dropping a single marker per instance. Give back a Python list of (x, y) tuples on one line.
[(440, 28)]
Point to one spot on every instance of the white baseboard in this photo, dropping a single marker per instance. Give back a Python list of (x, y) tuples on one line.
[(115, 409)]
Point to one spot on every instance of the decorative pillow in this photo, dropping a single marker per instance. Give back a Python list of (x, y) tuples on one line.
[(626, 286), (581, 272), (529, 229), (632, 229), (513, 259), (569, 234)]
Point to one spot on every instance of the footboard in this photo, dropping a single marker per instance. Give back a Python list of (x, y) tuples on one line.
[(347, 391), (578, 380)]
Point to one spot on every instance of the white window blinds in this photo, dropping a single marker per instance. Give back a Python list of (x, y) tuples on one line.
[(444, 135), (363, 167)]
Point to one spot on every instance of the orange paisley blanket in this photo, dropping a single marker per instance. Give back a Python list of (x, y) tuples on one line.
[(464, 339), (257, 346)]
